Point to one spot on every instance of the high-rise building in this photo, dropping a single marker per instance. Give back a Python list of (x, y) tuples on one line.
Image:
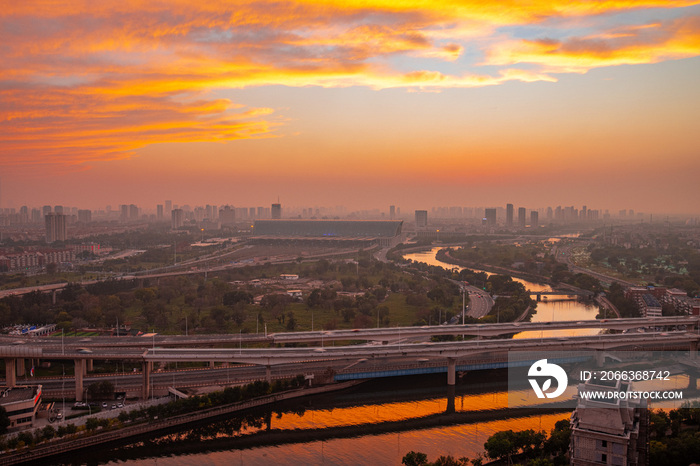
[(159, 212), (168, 207), (522, 220), (58, 209), (509, 215), (227, 215), (45, 210), (276, 211), (392, 212), (84, 216), (534, 219), (133, 212), (490, 215), (421, 218), (55, 227), (177, 218), (124, 212)]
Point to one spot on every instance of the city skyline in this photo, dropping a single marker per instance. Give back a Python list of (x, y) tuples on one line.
[(365, 104)]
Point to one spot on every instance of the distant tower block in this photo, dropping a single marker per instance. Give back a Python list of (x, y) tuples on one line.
[(509, 215), (490, 215), (421, 218), (276, 211), (392, 212)]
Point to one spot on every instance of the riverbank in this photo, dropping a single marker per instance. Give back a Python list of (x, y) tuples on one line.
[(40, 453), (445, 256)]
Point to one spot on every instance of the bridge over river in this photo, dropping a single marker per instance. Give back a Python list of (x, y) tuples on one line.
[(388, 343)]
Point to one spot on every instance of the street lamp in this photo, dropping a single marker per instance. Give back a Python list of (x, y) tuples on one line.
[(87, 402)]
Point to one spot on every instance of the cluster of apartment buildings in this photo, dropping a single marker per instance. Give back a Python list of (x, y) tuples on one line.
[(34, 258), (650, 300)]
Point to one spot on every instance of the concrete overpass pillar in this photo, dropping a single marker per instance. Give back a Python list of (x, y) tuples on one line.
[(599, 358), (451, 371), (693, 350), (79, 373), (268, 373), (10, 372), (89, 365), (692, 382), (212, 364), (147, 366), (21, 369)]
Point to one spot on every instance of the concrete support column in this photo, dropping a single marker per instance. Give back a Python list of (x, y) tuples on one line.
[(89, 365), (268, 373), (451, 370), (599, 358), (692, 382), (693, 350), (10, 375), (79, 373), (147, 366), (212, 364)]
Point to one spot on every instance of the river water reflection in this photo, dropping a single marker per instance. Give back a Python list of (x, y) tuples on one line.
[(548, 310), (375, 423)]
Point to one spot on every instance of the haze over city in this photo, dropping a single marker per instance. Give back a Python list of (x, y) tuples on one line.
[(363, 104)]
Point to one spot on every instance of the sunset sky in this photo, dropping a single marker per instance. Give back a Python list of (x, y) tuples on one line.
[(365, 103)]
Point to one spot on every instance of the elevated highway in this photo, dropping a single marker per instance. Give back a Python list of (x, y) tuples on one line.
[(70, 345), (449, 352)]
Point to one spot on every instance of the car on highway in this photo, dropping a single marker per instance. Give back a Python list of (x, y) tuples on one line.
[(104, 404)]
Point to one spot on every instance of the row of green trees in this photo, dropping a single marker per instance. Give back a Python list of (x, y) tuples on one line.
[(532, 448)]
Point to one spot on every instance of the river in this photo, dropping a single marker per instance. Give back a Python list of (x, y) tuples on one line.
[(548, 310), (375, 423)]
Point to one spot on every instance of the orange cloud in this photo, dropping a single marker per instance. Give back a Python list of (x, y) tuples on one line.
[(87, 81), (637, 45), (69, 127)]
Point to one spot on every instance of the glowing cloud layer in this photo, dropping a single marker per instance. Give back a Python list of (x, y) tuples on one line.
[(87, 81)]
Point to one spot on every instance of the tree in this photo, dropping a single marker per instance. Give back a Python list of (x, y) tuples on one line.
[(91, 424), (4, 421), (314, 299), (51, 268), (413, 458), (501, 445), (48, 432), (291, 321)]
